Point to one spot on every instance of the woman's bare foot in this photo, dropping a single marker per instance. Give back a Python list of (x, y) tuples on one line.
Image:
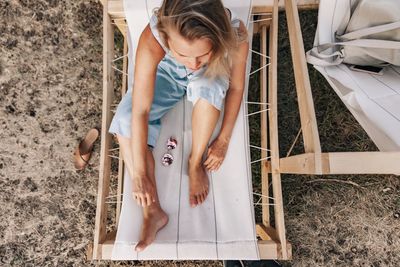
[(153, 222), (198, 184)]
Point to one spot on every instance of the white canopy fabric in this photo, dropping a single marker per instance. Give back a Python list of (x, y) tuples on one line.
[(223, 227), (374, 100)]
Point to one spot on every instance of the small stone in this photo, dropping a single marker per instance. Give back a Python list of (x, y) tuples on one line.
[(11, 43), (10, 109), (30, 184)]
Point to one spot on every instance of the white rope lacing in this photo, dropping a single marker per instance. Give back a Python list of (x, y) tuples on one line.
[(112, 196), (258, 20), (118, 58), (112, 202), (263, 67), (263, 204), (258, 160), (257, 70), (114, 157), (115, 68), (260, 148), (256, 103), (258, 53), (114, 149), (256, 112), (261, 195)]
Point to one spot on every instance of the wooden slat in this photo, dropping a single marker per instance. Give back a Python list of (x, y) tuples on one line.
[(264, 130), (302, 4), (116, 7), (343, 163), (305, 101), (268, 249), (363, 162), (273, 132), (299, 164), (105, 161)]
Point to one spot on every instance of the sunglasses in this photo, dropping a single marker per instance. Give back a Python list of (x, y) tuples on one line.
[(167, 158)]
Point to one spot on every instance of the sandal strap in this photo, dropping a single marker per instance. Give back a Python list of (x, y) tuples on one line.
[(87, 162)]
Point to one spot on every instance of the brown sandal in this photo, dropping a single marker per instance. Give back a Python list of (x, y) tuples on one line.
[(84, 150)]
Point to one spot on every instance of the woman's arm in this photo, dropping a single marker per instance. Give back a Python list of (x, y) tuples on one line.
[(149, 53), (217, 150)]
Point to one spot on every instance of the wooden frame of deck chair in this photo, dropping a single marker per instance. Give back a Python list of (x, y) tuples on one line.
[(272, 241), (314, 161)]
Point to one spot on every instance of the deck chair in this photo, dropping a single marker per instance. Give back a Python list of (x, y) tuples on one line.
[(232, 232), (374, 102)]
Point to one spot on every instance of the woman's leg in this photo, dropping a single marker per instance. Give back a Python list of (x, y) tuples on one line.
[(204, 119), (154, 218)]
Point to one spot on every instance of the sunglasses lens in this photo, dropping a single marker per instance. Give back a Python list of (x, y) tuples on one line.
[(167, 159), (171, 143)]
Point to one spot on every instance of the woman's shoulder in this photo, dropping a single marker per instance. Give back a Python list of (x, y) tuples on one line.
[(153, 27), (149, 41)]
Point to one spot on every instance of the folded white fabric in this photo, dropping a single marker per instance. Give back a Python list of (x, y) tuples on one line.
[(223, 227), (374, 100)]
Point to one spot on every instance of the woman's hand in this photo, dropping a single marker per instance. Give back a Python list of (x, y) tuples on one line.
[(216, 153), (143, 190)]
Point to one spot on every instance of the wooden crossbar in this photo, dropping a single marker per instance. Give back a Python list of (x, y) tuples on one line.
[(116, 7)]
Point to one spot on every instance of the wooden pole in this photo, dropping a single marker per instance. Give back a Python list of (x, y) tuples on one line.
[(274, 138), (264, 130), (105, 160), (305, 101)]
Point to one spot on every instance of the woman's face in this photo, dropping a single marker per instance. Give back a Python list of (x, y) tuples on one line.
[(193, 54)]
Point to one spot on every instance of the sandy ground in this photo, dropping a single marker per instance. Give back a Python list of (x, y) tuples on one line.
[(50, 95)]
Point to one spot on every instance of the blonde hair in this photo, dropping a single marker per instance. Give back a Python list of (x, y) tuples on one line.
[(196, 19)]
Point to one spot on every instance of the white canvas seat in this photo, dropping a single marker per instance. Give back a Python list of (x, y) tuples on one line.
[(223, 226)]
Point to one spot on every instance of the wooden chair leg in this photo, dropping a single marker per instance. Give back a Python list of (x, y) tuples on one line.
[(105, 160), (264, 121), (303, 87), (274, 138)]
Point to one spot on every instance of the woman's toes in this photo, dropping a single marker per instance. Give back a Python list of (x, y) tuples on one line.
[(140, 246), (198, 198), (193, 201)]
